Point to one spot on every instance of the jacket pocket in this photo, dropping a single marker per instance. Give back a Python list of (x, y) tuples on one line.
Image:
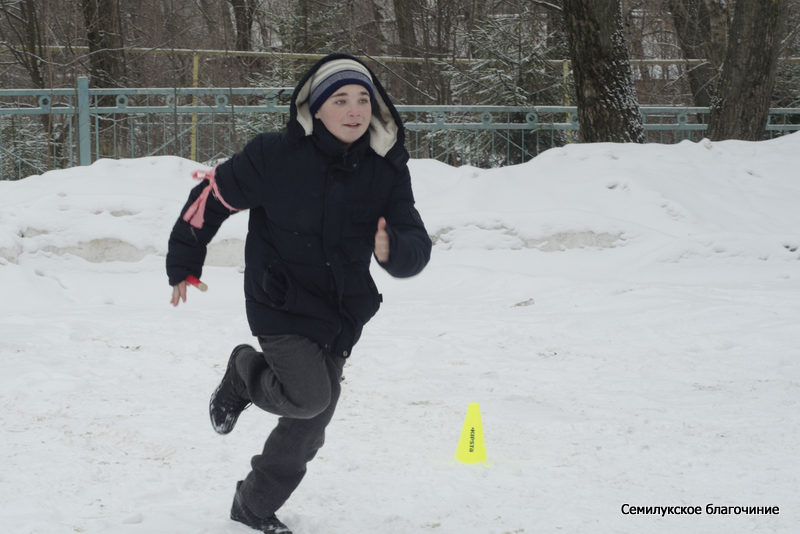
[(278, 287), (363, 302)]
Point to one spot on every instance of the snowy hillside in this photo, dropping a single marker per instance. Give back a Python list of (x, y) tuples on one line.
[(626, 316)]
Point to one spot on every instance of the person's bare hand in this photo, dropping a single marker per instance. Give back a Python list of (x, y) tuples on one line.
[(382, 242), (178, 293)]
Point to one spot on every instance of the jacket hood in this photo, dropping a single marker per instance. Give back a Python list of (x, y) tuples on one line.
[(387, 136)]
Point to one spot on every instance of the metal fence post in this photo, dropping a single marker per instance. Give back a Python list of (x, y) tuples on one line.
[(84, 125)]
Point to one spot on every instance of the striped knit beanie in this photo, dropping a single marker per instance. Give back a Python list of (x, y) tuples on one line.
[(335, 74)]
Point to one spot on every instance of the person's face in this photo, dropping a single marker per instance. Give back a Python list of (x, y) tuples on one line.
[(346, 113)]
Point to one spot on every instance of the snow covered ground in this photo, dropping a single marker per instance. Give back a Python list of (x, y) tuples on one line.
[(628, 318)]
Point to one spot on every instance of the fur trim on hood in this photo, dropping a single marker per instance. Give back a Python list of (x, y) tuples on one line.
[(386, 127)]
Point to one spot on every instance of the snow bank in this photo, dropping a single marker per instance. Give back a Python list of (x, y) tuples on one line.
[(625, 315)]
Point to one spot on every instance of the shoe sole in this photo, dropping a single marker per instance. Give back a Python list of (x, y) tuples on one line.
[(227, 426), (241, 514)]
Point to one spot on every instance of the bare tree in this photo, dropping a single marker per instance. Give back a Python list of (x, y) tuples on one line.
[(701, 27), (370, 32), (243, 15), (741, 105), (787, 84), (107, 64), (104, 34), (405, 14), (607, 105), (22, 34), (439, 24)]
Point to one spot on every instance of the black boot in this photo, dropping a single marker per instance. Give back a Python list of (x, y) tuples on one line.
[(240, 513), (230, 397)]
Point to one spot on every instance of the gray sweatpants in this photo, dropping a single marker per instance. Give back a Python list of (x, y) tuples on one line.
[(295, 379)]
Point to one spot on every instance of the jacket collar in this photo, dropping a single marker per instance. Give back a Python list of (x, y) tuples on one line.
[(329, 145)]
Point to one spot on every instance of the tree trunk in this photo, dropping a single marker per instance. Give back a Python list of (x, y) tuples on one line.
[(243, 13), (701, 30), (607, 106), (301, 41), (404, 13), (375, 42), (103, 31), (741, 105), (404, 19), (107, 68)]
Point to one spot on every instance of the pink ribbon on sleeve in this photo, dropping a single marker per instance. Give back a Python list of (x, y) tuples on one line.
[(194, 214)]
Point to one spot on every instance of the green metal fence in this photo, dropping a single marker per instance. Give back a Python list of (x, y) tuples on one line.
[(47, 129)]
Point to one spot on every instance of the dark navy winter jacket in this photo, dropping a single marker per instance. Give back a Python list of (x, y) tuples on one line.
[(314, 208)]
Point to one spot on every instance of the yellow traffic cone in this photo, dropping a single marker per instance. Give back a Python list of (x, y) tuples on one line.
[(471, 446)]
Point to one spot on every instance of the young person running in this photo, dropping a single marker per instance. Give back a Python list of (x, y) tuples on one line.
[(324, 196)]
